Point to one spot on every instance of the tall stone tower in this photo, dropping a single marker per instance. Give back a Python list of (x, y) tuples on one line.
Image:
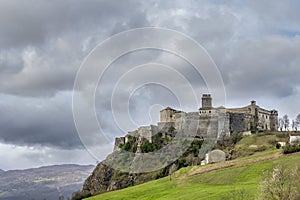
[(206, 101)]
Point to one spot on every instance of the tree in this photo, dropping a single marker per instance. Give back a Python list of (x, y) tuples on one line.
[(286, 122), (281, 183), (281, 124), (297, 121), (294, 125)]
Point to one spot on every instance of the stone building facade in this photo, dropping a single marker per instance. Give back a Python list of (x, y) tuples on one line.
[(211, 121), (233, 120)]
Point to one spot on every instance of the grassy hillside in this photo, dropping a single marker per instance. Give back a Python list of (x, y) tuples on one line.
[(217, 181), (217, 184)]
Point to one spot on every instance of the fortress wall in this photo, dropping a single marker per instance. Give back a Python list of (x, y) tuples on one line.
[(118, 142), (239, 122), (224, 123), (154, 130), (132, 133), (207, 112), (148, 131), (164, 126), (264, 121), (238, 110), (208, 127), (145, 132), (188, 124)]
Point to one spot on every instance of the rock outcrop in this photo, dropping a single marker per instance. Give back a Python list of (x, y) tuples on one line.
[(105, 178)]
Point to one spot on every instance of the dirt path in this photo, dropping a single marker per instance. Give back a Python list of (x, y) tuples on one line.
[(237, 163)]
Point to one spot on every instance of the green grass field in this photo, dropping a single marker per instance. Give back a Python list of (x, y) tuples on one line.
[(218, 184)]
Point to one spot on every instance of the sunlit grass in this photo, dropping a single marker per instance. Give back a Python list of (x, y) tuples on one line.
[(211, 185)]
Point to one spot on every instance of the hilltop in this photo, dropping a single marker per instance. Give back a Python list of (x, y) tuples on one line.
[(239, 149), (47, 182)]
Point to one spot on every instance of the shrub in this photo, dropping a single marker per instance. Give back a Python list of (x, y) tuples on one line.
[(171, 129), (130, 145), (146, 147), (81, 195), (196, 145), (280, 183), (291, 148), (278, 146)]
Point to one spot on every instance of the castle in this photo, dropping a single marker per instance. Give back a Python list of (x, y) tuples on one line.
[(220, 120)]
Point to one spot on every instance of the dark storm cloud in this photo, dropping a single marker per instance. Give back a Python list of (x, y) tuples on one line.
[(35, 22), (43, 43), (43, 122), (255, 44)]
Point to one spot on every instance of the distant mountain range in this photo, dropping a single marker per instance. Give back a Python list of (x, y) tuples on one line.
[(48, 182), (1, 170)]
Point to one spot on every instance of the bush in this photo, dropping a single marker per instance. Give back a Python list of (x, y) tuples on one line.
[(280, 183), (278, 146), (273, 142), (81, 195), (196, 145), (291, 148), (146, 147), (282, 135), (130, 145), (171, 129)]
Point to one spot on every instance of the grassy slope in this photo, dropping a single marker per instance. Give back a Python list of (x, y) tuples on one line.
[(210, 185)]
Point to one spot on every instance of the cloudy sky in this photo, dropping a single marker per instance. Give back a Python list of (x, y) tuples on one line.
[(254, 44)]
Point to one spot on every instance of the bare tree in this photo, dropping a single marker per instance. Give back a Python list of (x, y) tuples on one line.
[(280, 183), (293, 125), (297, 121), (281, 124), (286, 122)]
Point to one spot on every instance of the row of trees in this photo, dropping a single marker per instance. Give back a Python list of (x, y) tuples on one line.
[(284, 123)]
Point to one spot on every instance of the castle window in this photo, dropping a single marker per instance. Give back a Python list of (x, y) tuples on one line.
[(209, 111)]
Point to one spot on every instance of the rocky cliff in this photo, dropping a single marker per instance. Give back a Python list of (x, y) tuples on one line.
[(105, 178)]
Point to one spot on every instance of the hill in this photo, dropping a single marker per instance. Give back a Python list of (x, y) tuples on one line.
[(201, 182), (48, 182), (105, 178)]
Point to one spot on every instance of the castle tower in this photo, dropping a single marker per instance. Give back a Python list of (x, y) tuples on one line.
[(274, 120), (206, 101)]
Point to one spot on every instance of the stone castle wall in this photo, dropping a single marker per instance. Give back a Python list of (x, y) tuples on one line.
[(209, 121)]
